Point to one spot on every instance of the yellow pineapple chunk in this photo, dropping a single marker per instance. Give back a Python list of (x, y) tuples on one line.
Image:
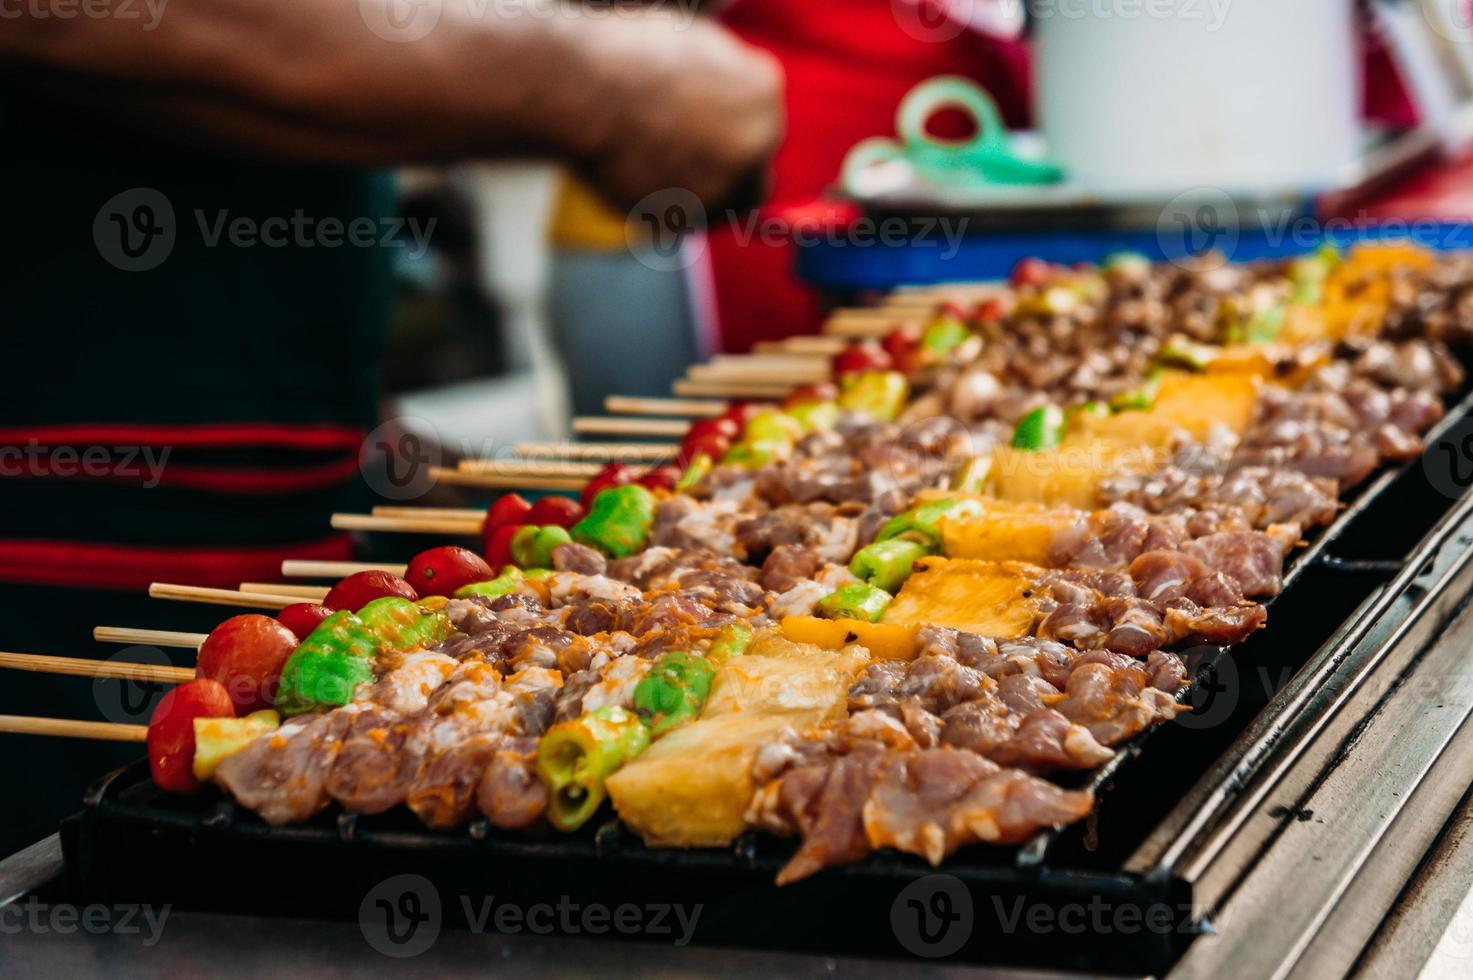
[(884, 641), (990, 598), (1007, 530), (1185, 402), (215, 739), (1069, 476)]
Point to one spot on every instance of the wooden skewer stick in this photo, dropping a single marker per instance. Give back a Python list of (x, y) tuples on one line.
[(106, 731), (79, 667), (704, 408), (530, 467), (149, 638), (473, 478), (309, 568), (307, 593), (631, 451), (802, 344), (602, 426), (220, 597), (687, 387), (797, 373), (477, 514), (410, 525)]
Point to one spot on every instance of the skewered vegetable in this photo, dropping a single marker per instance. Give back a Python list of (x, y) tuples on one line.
[(673, 692), (576, 757), (857, 600), (246, 654), (440, 571), (618, 522), (531, 546), (171, 740), (361, 588)]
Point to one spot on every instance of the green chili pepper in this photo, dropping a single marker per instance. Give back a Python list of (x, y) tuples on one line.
[(328, 666), (1188, 354), (922, 523), (619, 520), (674, 691), (511, 576), (402, 625), (730, 641), (887, 564), (1040, 429), (879, 394), (1309, 273), (575, 757), (944, 334), (699, 466), (857, 600), (1139, 398), (531, 547)]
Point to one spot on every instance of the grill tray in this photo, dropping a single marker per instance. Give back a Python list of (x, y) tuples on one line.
[(134, 843)]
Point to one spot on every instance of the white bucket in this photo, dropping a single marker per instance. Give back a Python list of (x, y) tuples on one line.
[(1166, 95)]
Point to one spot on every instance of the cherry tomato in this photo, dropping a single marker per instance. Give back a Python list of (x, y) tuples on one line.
[(1031, 272), (741, 413), (864, 356), (901, 342), (954, 310), (714, 445), (824, 391), (303, 617), (613, 475), (717, 426), (440, 571), (509, 508), (497, 542), (559, 510), (361, 588), (662, 477), (991, 309), (171, 731), (245, 653)]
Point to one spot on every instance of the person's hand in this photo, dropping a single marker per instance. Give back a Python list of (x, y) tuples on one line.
[(694, 109)]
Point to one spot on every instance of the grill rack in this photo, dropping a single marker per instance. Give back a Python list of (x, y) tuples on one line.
[(1161, 799)]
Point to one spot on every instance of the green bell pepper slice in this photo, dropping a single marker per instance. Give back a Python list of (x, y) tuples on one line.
[(815, 416), (887, 564), (403, 625), (328, 666), (730, 641), (575, 757), (531, 547), (511, 576), (972, 475), (1040, 429), (922, 523), (619, 521), (857, 600), (674, 691), (1180, 352), (945, 334), (694, 473), (1139, 398), (879, 394)]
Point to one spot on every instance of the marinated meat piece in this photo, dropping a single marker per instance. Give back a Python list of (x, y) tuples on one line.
[(665, 611), (1046, 741), (375, 765), (1252, 559), (444, 791), (569, 703), (832, 818), (979, 726), (787, 565), (282, 776), (510, 795), (1115, 704), (878, 686), (574, 557)]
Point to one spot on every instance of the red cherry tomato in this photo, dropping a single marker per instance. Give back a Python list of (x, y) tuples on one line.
[(717, 426), (824, 391), (991, 309), (714, 446), (901, 342), (954, 310), (864, 356), (303, 617), (1031, 272), (440, 571), (497, 543), (662, 477), (613, 475), (741, 413), (562, 511), (509, 508), (171, 731), (361, 588), (245, 653)]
